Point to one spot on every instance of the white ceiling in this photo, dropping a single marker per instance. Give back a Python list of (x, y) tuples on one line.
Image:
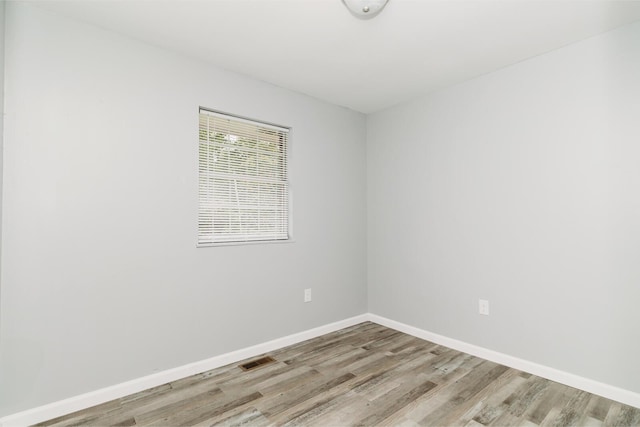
[(318, 48)]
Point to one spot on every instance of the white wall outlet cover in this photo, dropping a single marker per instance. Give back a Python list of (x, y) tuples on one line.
[(483, 307)]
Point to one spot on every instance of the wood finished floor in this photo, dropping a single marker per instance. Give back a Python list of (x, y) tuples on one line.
[(365, 375)]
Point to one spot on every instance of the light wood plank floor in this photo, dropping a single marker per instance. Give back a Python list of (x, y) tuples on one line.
[(365, 375)]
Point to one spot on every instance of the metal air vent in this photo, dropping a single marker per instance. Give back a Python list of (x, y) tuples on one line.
[(254, 364)]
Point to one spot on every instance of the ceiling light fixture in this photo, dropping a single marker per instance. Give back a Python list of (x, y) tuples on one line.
[(365, 9)]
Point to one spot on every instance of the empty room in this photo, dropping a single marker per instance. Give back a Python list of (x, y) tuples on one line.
[(320, 212)]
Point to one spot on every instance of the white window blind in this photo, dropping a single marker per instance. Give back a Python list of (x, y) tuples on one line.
[(243, 186)]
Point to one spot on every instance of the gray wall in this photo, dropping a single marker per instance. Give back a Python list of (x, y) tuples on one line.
[(521, 187), (2, 3), (102, 282)]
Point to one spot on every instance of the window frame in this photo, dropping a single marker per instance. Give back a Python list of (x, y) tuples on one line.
[(287, 181)]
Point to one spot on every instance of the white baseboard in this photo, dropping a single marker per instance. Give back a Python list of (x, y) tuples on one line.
[(66, 406), (605, 390), (87, 400)]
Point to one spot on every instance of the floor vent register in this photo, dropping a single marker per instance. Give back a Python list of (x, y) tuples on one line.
[(254, 364)]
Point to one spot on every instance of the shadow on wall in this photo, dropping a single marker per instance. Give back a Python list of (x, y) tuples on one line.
[(22, 362)]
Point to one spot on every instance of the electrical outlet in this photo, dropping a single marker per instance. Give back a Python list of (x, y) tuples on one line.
[(307, 295), (483, 307)]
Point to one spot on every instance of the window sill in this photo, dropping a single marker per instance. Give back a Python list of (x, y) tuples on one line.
[(254, 242)]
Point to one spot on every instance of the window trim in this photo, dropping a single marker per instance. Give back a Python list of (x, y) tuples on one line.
[(288, 153)]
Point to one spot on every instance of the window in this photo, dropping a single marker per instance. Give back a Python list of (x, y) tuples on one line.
[(243, 185)]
